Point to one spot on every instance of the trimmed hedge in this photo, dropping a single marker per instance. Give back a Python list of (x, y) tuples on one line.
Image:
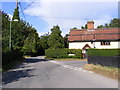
[(63, 53), (103, 52)]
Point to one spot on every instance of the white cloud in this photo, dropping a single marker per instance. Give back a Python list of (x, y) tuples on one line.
[(10, 16), (72, 14)]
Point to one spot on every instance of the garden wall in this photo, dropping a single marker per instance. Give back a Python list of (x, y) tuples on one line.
[(104, 57), (112, 61)]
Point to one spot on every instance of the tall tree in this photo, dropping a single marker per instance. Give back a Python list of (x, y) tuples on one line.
[(55, 38), (44, 43), (84, 27), (106, 25), (16, 14), (5, 31), (100, 26), (115, 22), (74, 28), (66, 40)]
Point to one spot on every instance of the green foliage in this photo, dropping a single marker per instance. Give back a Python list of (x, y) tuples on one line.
[(66, 42), (63, 53), (25, 39), (55, 38), (5, 31), (106, 25), (100, 26), (16, 14), (113, 23), (84, 27), (56, 53), (74, 28), (103, 52), (44, 43), (77, 52)]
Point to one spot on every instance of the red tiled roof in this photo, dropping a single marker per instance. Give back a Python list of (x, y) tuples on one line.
[(97, 34)]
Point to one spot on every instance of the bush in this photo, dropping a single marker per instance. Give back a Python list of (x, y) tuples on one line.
[(10, 56), (63, 53), (103, 52)]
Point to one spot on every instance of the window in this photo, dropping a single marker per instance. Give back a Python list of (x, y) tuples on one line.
[(105, 43)]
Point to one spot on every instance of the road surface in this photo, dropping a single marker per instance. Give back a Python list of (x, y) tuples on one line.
[(37, 72)]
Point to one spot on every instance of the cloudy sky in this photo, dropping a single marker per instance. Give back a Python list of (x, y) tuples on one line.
[(44, 14)]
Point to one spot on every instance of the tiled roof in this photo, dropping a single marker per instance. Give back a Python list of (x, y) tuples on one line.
[(97, 34)]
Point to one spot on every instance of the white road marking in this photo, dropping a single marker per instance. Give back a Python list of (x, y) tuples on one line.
[(71, 67), (90, 72)]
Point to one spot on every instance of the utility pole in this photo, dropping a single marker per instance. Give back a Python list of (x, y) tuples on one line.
[(10, 37), (16, 3), (16, 20)]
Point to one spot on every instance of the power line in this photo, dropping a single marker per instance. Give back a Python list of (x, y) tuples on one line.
[(22, 11), (63, 17), (47, 16), (20, 1), (28, 5)]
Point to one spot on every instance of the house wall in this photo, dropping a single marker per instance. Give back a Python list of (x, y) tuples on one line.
[(80, 45)]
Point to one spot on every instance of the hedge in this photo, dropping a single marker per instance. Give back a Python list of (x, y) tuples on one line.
[(10, 56), (63, 53), (103, 52)]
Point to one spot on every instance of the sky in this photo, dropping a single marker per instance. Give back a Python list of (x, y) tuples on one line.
[(44, 14)]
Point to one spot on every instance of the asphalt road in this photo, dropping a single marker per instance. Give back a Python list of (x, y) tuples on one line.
[(37, 72)]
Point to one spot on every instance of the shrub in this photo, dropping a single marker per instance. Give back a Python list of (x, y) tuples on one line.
[(10, 56), (63, 53), (103, 52)]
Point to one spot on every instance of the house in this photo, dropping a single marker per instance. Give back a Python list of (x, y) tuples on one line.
[(100, 38)]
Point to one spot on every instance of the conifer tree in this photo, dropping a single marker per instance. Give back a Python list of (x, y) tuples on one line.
[(16, 14), (55, 38)]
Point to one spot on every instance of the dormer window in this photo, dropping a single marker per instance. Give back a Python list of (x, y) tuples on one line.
[(105, 43)]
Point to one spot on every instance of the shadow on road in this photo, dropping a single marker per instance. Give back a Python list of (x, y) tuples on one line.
[(20, 71), (34, 60), (12, 76)]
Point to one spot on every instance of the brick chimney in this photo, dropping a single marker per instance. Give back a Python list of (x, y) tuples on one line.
[(90, 25)]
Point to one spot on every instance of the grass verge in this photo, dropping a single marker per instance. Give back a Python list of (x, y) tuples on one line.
[(71, 59), (26, 56), (110, 72), (66, 59)]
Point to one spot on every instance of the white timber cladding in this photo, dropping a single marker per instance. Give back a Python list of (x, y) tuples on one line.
[(80, 45)]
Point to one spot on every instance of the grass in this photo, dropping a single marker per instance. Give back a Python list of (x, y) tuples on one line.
[(67, 59), (110, 72), (26, 56), (71, 59)]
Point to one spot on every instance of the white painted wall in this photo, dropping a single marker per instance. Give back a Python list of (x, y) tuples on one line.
[(80, 45)]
